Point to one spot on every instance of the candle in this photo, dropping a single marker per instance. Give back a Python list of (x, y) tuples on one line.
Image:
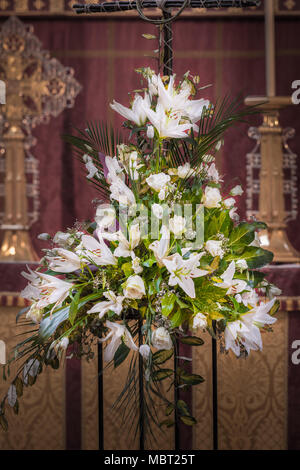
[(270, 47)]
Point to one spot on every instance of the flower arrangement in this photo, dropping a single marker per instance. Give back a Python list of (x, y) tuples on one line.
[(165, 259)]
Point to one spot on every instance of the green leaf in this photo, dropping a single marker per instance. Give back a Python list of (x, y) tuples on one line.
[(255, 257), (121, 354), (149, 262), (162, 356), (188, 420), (169, 409), (243, 234), (3, 422), (190, 379), (167, 304), (162, 374), (49, 324), (19, 386), (127, 269), (167, 422), (74, 307), (21, 312), (192, 340), (183, 408)]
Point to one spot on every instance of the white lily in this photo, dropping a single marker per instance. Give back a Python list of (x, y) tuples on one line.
[(90, 166), (65, 261), (121, 193), (126, 247), (233, 286), (113, 303), (183, 271), (97, 251), (137, 112), (113, 168), (105, 216), (166, 126), (117, 334), (160, 247), (44, 291), (246, 330)]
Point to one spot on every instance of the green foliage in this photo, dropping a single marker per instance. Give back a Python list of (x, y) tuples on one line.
[(162, 356)]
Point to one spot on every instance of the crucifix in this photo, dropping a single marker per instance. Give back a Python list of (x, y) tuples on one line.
[(37, 87), (165, 22)]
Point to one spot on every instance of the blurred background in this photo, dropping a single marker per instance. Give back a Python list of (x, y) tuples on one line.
[(91, 61)]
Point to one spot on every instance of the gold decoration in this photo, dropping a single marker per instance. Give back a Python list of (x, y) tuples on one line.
[(37, 87), (271, 181)]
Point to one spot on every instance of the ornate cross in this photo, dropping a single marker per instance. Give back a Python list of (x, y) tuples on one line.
[(37, 87)]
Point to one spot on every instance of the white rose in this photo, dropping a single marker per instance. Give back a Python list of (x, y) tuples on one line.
[(144, 351), (158, 210), (105, 216), (158, 181), (134, 287), (237, 191), (230, 202), (177, 224), (199, 321), (161, 339), (214, 247), (211, 197), (241, 264), (150, 132)]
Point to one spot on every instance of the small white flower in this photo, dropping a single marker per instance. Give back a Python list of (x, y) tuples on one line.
[(134, 287), (177, 225), (137, 268), (162, 195), (237, 191), (144, 350), (44, 236), (213, 173), (212, 197), (241, 264), (199, 321), (161, 339), (214, 247), (150, 132)]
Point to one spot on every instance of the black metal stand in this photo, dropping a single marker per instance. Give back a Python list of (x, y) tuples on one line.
[(100, 399), (141, 390), (215, 389)]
